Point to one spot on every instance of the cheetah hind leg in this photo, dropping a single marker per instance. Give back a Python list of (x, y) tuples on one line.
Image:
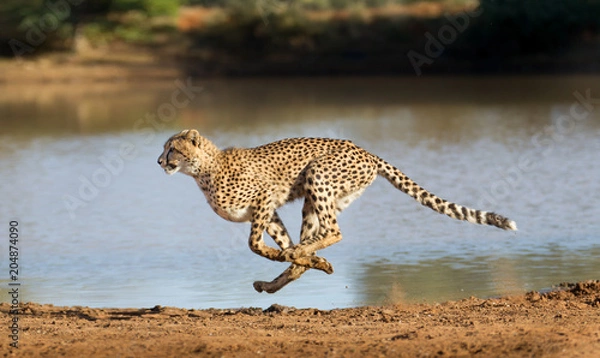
[(279, 233), (292, 273), (310, 225)]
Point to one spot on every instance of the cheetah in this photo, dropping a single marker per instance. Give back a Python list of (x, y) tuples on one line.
[(250, 184)]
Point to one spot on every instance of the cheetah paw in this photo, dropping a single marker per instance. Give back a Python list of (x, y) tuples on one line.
[(269, 287), (290, 254), (260, 286), (299, 257), (315, 262), (324, 266)]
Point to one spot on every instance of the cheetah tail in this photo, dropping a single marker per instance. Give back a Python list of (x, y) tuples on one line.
[(406, 185)]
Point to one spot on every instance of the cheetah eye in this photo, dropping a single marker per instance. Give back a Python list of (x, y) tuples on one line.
[(172, 151)]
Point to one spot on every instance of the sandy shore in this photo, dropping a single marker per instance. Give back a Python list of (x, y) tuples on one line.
[(115, 64), (562, 323)]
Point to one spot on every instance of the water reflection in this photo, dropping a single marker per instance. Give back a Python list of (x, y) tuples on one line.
[(142, 238), (466, 104), (481, 276)]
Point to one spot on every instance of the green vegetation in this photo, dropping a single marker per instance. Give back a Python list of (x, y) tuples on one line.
[(315, 4), (33, 26), (501, 35), (250, 36), (147, 7)]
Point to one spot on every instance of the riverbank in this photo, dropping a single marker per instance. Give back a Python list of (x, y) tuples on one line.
[(117, 63), (420, 38), (562, 323)]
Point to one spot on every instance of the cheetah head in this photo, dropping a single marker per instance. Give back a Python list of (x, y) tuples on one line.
[(181, 152)]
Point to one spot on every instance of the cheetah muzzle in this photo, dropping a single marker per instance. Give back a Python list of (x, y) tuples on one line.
[(250, 184)]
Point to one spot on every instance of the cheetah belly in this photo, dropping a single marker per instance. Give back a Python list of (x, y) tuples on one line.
[(345, 201), (233, 214)]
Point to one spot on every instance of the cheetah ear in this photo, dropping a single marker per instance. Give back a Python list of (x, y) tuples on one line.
[(193, 136)]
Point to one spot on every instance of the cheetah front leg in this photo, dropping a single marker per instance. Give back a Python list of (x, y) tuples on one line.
[(280, 235), (310, 225), (278, 232), (262, 215)]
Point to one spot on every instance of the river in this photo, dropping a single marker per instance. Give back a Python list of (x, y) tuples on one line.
[(101, 225)]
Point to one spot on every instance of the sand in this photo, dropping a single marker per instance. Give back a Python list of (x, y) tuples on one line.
[(561, 323)]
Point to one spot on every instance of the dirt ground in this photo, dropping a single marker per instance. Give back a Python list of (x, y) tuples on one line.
[(561, 323)]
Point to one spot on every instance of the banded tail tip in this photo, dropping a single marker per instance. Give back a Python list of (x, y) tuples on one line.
[(501, 221), (511, 225)]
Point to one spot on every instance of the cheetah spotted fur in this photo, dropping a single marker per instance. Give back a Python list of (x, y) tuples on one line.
[(244, 185)]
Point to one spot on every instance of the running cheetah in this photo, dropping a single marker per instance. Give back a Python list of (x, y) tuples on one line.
[(244, 185)]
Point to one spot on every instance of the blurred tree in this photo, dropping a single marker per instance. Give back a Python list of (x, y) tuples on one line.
[(511, 27), (149, 7), (31, 26)]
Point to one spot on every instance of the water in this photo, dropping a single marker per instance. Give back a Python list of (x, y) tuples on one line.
[(103, 226)]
